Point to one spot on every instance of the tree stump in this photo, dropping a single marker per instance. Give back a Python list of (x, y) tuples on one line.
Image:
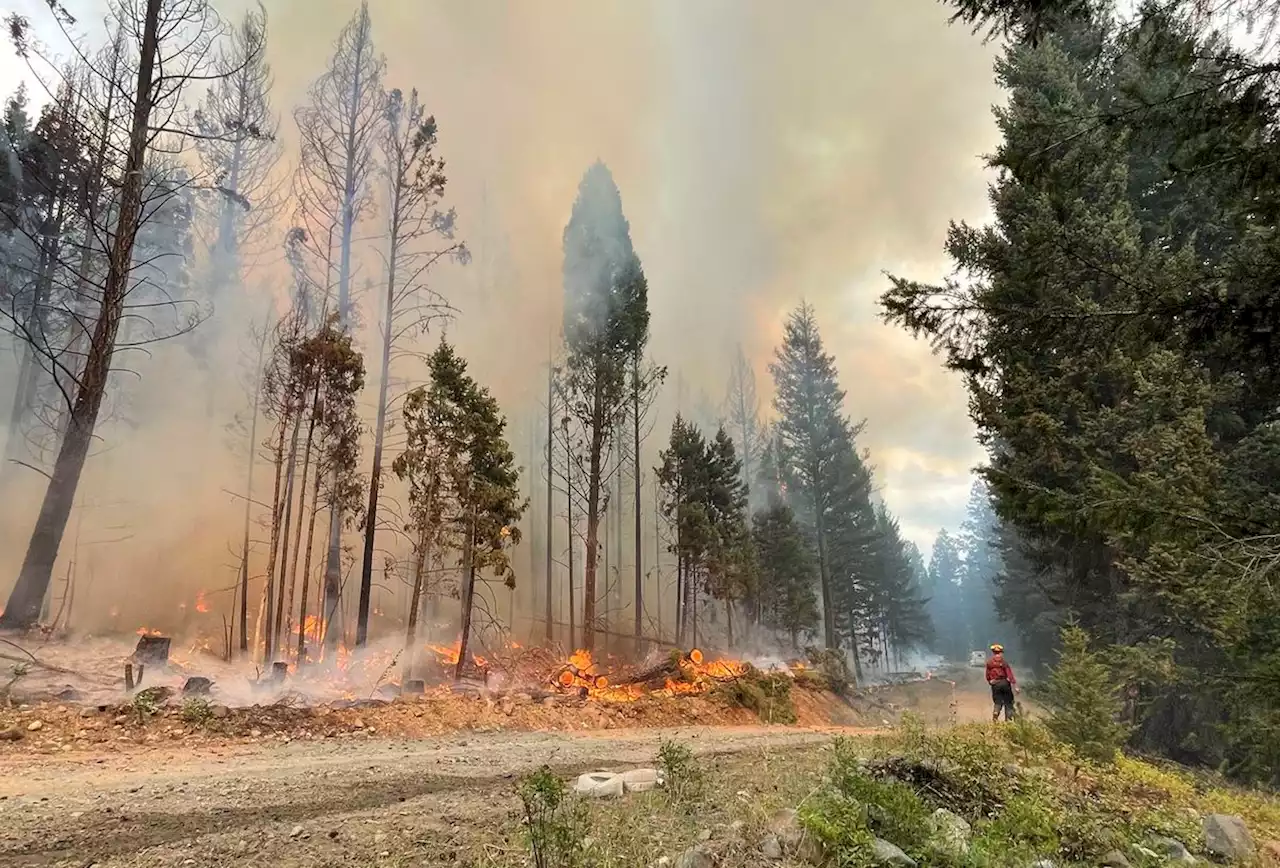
[(152, 649), (197, 685), (279, 671), (414, 687)]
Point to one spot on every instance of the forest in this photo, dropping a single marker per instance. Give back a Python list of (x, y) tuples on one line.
[(1115, 324), (153, 220), (1110, 323)]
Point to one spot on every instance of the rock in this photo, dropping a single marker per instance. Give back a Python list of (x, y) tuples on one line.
[(1114, 859), (296, 832), (35, 726), (886, 854), (221, 712), (704, 835), (91, 711), (507, 706), (197, 685), (11, 735), (255, 733), (1227, 837), (949, 833), (1170, 849), (640, 780), (599, 785), (771, 848), (695, 857), (794, 838)]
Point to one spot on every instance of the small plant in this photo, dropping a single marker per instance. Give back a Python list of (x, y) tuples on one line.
[(554, 820), (1084, 700), (16, 673), (147, 702), (1030, 737), (682, 776), (197, 710)]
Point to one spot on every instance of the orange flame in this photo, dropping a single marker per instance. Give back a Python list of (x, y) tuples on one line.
[(202, 605)]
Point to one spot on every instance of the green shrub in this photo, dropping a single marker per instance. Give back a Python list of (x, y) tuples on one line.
[(682, 776), (1084, 700), (768, 695), (555, 821)]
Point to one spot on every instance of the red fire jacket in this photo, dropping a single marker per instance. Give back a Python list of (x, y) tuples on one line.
[(998, 670)]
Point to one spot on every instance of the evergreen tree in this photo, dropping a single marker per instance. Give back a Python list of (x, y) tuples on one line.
[(1083, 700), (951, 631), (787, 572), (1118, 338), (901, 612), (980, 548), (606, 322), (813, 439)]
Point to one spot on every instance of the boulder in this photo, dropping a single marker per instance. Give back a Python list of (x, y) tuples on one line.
[(949, 833), (1227, 837), (641, 780), (794, 839), (771, 848), (890, 855), (695, 857), (1170, 849), (599, 785), (1114, 859)]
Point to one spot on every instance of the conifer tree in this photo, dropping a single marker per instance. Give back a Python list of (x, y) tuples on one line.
[(813, 436), (787, 572), (606, 322), (1084, 700)]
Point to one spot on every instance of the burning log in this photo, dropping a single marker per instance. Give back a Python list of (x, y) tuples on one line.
[(656, 676), (152, 649), (197, 685)]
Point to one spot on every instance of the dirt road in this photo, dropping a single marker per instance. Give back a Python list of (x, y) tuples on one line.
[(333, 803)]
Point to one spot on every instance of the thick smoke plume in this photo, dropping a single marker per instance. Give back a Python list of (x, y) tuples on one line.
[(765, 153)]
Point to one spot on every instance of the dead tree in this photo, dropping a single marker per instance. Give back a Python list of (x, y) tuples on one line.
[(339, 128), (418, 236), (175, 38)]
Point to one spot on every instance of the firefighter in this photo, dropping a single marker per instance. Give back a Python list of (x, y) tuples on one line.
[(1003, 684)]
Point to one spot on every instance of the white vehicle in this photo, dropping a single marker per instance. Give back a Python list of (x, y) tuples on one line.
[(977, 658)]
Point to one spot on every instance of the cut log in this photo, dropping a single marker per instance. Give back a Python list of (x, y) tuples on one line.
[(197, 685), (152, 649), (653, 677)]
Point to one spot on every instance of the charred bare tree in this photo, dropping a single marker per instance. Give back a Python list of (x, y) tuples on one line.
[(418, 236), (339, 129), (174, 42)]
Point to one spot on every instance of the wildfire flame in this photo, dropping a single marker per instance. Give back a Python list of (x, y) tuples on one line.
[(202, 605)]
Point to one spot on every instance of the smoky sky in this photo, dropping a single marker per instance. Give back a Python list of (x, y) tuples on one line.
[(766, 152)]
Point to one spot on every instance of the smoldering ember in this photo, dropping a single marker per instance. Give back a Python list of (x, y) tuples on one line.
[(595, 434)]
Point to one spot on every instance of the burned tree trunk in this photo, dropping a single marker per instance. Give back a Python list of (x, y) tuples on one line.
[(23, 606), (468, 597)]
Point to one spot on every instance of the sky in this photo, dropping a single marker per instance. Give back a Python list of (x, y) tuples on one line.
[(765, 152)]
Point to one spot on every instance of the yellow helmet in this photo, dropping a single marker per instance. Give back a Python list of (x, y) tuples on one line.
[(997, 648)]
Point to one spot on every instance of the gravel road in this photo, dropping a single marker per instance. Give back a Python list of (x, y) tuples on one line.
[(331, 803)]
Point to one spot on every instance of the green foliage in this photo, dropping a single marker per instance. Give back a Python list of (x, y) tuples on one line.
[(767, 694), (555, 821), (197, 710), (705, 500), (1084, 700), (787, 571), (1117, 332), (683, 778), (832, 666)]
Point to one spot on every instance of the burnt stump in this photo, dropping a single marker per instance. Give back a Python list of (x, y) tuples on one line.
[(152, 649)]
